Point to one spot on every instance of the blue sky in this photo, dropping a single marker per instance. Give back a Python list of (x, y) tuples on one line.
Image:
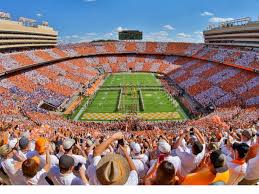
[(160, 20)]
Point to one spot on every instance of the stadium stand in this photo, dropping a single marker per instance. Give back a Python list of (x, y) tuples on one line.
[(201, 76)]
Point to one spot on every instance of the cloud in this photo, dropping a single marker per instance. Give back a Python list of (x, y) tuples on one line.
[(183, 35), (198, 37), (74, 36), (109, 34), (39, 14), (119, 29), (90, 34), (206, 13), (219, 19), (168, 27), (199, 33), (161, 36)]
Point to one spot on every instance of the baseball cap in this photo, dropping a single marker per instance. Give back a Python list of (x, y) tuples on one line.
[(23, 142), (164, 147), (247, 133), (253, 131), (5, 149), (136, 149), (40, 145), (68, 143), (12, 143), (26, 134), (66, 162)]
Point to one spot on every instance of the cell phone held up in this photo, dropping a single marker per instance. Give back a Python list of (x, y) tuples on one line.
[(120, 142), (77, 168), (192, 131)]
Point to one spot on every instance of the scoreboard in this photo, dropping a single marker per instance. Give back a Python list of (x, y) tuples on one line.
[(130, 35)]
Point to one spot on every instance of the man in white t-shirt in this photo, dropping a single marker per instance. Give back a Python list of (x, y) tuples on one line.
[(247, 136), (121, 168), (165, 155), (68, 145), (40, 148), (31, 174), (24, 145), (9, 164), (252, 172), (237, 166), (63, 174), (140, 160), (190, 157)]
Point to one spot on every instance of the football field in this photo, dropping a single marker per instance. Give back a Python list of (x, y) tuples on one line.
[(140, 94)]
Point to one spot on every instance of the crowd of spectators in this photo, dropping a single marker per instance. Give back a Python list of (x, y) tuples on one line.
[(221, 148), (219, 85), (37, 147), (227, 55)]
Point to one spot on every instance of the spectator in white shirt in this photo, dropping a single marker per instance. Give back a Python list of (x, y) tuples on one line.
[(63, 174), (165, 155), (237, 166), (140, 160), (40, 147), (24, 145), (68, 146), (252, 171), (32, 174), (112, 169), (246, 137), (190, 157), (9, 165)]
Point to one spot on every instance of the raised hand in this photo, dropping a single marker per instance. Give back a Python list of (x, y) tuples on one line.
[(117, 136)]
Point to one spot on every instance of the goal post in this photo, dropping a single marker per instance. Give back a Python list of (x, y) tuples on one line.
[(141, 100), (119, 101)]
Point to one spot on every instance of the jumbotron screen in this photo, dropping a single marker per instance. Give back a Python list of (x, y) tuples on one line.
[(130, 35)]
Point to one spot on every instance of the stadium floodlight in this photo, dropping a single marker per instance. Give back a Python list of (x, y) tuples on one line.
[(5, 16)]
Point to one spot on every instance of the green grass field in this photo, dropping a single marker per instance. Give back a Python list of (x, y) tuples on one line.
[(138, 79), (110, 101)]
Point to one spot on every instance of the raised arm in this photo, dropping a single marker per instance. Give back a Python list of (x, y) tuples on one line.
[(82, 176), (149, 176), (103, 146), (179, 141), (78, 146), (200, 136), (48, 160), (88, 150), (128, 158)]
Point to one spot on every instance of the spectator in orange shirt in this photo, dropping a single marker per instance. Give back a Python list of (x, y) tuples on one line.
[(215, 171)]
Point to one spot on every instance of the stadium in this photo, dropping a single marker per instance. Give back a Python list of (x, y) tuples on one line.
[(154, 93)]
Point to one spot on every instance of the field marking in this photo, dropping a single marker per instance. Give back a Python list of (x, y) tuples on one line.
[(159, 97), (119, 116)]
